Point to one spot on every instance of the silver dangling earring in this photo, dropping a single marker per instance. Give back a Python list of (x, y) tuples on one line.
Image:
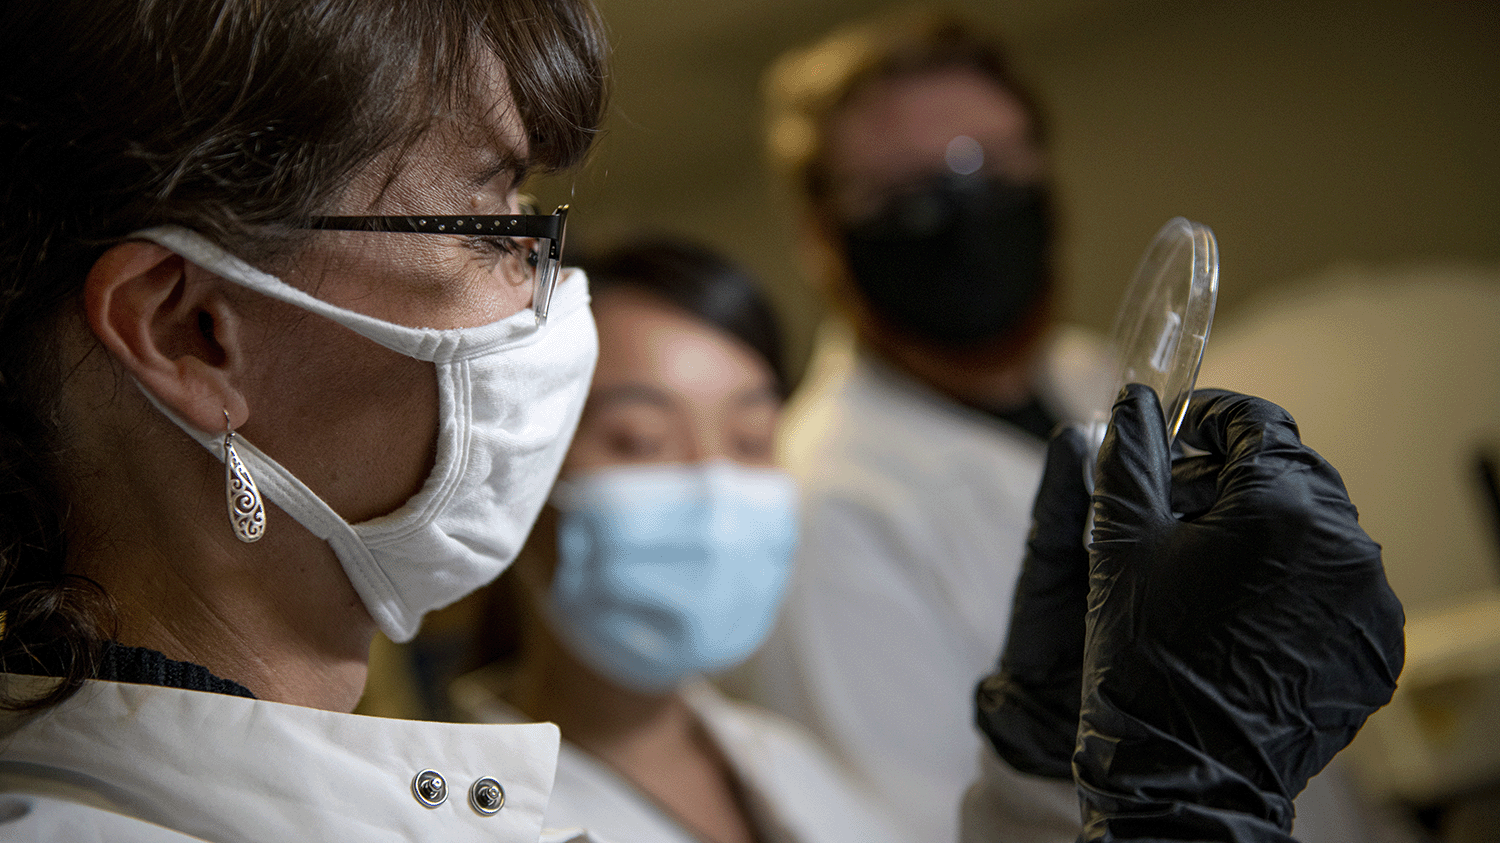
[(247, 515)]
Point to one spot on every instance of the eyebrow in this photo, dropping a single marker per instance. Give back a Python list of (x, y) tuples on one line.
[(758, 395), (630, 393), (637, 393), (505, 161)]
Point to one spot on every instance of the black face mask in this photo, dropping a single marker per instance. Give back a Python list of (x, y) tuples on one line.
[(956, 261)]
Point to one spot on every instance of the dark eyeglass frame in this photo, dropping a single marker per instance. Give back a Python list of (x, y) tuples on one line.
[(550, 227)]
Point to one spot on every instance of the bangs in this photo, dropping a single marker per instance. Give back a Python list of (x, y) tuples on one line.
[(555, 58)]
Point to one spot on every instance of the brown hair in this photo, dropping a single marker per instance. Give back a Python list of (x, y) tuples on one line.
[(806, 88), (237, 118)]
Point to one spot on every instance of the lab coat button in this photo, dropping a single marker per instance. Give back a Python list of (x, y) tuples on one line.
[(429, 788), (487, 796)]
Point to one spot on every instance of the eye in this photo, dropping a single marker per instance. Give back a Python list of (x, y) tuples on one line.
[(516, 248), (753, 436), (754, 448), (514, 259), (634, 445)]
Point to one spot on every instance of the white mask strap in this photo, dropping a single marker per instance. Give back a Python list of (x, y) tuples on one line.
[(294, 498)]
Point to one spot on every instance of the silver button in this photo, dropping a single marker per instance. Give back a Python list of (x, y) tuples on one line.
[(429, 788), (487, 796)]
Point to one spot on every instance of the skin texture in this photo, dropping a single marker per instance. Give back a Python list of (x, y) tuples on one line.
[(671, 390), (899, 130), (356, 422), (890, 134), (668, 389)]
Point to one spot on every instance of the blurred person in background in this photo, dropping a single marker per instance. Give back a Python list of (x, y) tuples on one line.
[(257, 408), (919, 431), (918, 435), (663, 557)]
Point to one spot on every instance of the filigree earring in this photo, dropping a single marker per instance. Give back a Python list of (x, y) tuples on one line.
[(247, 515)]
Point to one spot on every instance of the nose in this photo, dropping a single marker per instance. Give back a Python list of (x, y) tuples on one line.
[(707, 444)]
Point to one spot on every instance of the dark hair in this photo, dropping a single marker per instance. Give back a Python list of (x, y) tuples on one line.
[(240, 119), (701, 282), (806, 88)]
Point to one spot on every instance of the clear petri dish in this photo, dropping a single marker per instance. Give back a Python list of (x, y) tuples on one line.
[(1162, 325)]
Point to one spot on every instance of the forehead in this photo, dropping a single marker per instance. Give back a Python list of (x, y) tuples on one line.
[(645, 340), (476, 143), (906, 123)]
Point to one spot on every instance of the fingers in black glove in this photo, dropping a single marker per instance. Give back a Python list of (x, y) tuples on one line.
[(1240, 627)]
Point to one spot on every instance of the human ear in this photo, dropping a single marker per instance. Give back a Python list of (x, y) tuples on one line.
[(822, 253), (822, 249), (169, 324)]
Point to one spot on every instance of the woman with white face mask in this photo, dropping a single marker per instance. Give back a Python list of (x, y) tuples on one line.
[(663, 557), (275, 377)]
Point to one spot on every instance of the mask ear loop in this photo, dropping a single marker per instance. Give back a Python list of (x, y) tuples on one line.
[(247, 514)]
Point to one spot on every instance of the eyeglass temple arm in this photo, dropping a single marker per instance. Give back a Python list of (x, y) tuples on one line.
[(546, 226)]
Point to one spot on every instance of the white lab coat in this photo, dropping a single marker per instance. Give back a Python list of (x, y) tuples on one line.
[(915, 515), (796, 792), (129, 763)]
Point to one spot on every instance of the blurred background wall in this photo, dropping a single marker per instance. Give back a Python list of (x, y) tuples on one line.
[(1305, 132), (1311, 135)]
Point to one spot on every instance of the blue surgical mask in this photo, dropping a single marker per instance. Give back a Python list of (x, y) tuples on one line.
[(667, 571)]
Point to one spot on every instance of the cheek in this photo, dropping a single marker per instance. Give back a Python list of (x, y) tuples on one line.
[(459, 285), (421, 281), (354, 421), (390, 418)]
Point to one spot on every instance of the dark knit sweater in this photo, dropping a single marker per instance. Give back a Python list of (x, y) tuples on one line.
[(141, 666), (138, 666)]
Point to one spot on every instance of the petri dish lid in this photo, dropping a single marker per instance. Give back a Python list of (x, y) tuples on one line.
[(1162, 325)]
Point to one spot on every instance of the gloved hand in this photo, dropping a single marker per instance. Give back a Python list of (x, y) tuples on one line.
[(1029, 707), (1230, 653)]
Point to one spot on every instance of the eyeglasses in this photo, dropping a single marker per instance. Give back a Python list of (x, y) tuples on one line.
[(529, 246)]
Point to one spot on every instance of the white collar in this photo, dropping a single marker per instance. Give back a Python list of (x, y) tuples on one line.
[(228, 768)]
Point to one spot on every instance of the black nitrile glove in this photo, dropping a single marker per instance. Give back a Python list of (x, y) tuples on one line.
[(1029, 707), (1233, 651)]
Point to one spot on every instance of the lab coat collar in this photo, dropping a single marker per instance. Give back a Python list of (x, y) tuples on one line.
[(228, 768)]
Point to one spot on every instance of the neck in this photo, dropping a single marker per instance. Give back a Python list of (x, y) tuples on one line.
[(653, 741), (275, 662), (278, 616), (996, 377), (612, 722)]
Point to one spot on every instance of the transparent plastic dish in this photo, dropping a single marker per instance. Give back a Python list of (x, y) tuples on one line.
[(1162, 325)]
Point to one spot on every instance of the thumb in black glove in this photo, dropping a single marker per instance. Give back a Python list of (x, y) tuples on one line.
[(1231, 652), (1029, 707)]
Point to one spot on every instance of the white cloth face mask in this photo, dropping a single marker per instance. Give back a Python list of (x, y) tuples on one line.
[(509, 398)]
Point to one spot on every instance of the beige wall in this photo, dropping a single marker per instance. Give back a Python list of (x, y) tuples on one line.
[(1393, 375), (1312, 135), (1305, 132)]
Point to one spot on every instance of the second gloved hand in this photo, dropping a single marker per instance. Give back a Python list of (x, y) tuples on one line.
[(1028, 707)]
